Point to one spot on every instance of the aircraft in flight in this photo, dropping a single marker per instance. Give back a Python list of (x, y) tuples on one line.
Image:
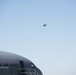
[(44, 25)]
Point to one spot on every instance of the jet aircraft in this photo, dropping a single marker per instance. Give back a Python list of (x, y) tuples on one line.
[(12, 64), (44, 25)]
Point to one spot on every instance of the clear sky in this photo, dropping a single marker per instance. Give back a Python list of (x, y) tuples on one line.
[(51, 48)]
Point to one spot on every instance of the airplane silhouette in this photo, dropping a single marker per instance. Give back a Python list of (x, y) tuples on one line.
[(44, 25)]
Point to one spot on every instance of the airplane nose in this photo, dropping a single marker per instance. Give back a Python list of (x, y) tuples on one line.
[(38, 71)]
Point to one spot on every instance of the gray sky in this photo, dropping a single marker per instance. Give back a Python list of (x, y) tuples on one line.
[(51, 48)]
